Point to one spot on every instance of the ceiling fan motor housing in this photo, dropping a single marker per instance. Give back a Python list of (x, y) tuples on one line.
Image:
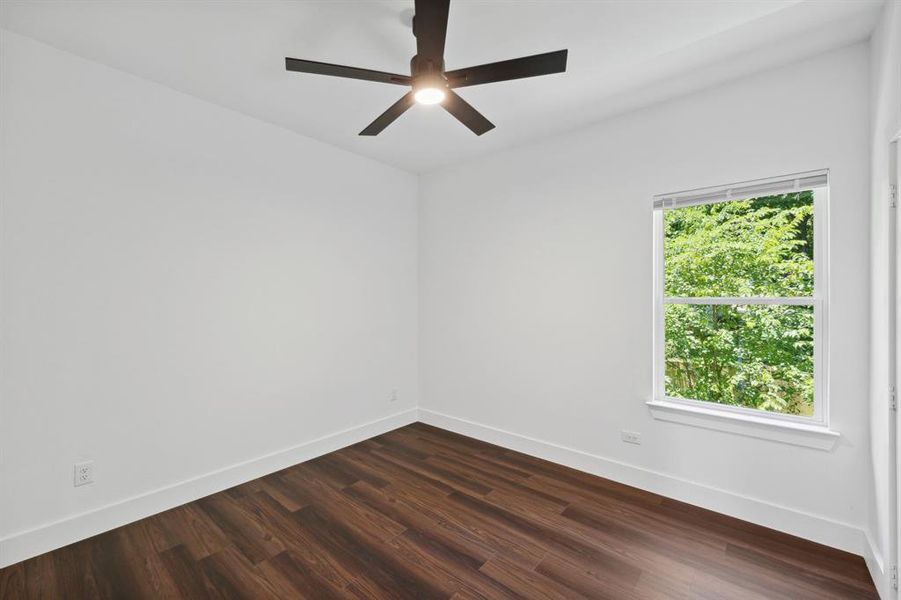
[(427, 74)]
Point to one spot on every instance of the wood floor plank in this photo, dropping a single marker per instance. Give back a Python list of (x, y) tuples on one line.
[(294, 579), (190, 581), (231, 575), (807, 581), (353, 512), (498, 484), (43, 587), (449, 478), (589, 580), (396, 472), (391, 579), (463, 573), (12, 582), (291, 498), (504, 540), (659, 586), (420, 512), (526, 582), (246, 530), (562, 541), (137, 554), (669, 552), (304, 547), (418, 518), (75, 574), (803, 553), (361, 471)]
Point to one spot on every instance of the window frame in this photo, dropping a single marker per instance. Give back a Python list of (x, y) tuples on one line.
[(819, 301)]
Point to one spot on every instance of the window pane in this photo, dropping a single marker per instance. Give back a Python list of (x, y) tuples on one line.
[(757, 247), (755, 356)]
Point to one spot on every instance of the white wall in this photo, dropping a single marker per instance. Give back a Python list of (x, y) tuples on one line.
[(536, 299), (885, 113), (184, 289)]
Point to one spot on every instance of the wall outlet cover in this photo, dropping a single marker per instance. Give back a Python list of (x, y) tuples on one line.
[(84, 473), (631, 437)]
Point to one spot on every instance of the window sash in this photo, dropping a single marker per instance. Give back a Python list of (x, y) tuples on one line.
[(818, 300), (744, 300)]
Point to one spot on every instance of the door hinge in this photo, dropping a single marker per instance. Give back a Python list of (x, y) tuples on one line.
[(893, 195), (894, 576), (892, 398)]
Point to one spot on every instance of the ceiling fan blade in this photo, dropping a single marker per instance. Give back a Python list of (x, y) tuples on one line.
[(466, 114), (430, 29), (389, 116), (516, 68), (321, 68)]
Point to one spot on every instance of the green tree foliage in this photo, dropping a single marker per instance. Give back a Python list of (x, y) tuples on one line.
[(756, 356)]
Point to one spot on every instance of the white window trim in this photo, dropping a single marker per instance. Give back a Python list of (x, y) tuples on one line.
[(699, 414), (806, 431)]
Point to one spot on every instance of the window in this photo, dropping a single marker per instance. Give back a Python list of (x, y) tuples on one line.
[(739, 299)]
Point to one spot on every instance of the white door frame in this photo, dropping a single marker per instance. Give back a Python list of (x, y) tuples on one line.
[(894, 368)]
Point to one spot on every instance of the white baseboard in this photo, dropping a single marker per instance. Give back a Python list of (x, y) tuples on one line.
[(25, 544), (876, 565), (805, 525)]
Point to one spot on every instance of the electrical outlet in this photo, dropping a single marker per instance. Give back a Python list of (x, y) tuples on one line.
[(393, 396), (631, 437), (84, 473)]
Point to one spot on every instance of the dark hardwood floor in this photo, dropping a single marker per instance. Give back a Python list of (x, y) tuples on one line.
[(424, 513)]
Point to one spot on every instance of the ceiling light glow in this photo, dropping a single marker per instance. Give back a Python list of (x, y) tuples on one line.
[(429, 95)]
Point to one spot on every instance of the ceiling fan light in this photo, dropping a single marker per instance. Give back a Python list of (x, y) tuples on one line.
[(429, 95)]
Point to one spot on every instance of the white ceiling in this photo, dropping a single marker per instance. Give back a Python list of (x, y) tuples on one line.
[(622, 55)]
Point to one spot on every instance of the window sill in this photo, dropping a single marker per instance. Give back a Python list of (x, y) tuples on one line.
[(787, 432)]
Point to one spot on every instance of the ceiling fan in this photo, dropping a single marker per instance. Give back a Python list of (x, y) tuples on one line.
[(430, 83)]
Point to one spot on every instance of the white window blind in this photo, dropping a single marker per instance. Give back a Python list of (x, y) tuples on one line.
[(739, 191)]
